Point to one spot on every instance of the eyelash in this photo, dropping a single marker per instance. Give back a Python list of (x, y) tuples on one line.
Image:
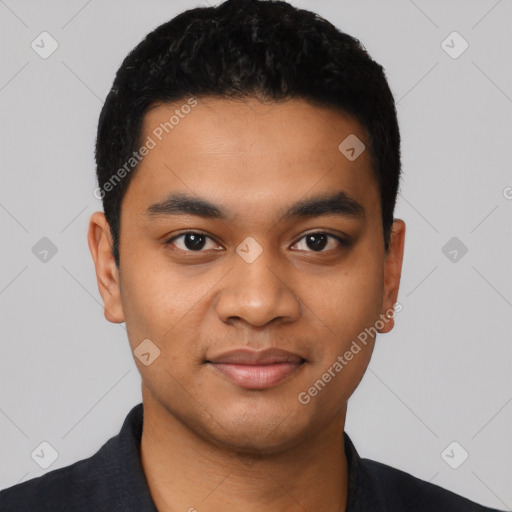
[(344, 243)]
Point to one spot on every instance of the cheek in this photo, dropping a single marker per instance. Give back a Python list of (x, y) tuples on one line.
[(349, 306), (162, 304), (161, 308), (351, 299), (360, 296), (147, 291)]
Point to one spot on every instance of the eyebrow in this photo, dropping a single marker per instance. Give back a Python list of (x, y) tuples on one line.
[(179, 203)]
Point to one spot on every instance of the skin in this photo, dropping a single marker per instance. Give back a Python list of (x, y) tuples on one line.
[(208, 443)]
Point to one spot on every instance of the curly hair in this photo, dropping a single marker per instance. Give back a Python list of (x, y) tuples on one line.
[(247, 48)]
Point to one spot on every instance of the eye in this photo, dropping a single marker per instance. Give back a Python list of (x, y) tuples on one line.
[(319, 241), (192, 241)]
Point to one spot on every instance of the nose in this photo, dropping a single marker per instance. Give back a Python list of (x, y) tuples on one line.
[(258, 293)]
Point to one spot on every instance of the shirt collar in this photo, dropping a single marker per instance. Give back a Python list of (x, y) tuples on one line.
[(130, 492), (365, 492)]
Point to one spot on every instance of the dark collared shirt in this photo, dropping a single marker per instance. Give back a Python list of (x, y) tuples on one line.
[(112, 480)]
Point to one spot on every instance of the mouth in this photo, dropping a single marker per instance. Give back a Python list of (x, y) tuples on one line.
[(256, 370)]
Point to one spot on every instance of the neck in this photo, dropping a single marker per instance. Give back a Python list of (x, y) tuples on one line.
[(187, 472)]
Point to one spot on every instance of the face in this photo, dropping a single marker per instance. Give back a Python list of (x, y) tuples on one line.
[(252, 256)]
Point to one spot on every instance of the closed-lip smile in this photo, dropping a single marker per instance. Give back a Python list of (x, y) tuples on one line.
[(251, 369)]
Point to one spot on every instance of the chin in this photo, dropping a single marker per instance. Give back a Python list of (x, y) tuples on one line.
[(267, 430)]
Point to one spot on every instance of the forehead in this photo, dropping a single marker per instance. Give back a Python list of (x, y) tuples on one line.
[(245, 153), (294, 126)]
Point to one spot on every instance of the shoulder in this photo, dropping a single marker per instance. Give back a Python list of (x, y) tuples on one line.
[(403, 491), (110, 480), (68, 488)]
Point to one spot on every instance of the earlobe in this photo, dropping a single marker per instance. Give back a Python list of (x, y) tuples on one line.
[(107, 275), (392, 274)]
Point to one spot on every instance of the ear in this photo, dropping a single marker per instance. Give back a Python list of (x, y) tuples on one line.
[(392, 273), (99, 238)]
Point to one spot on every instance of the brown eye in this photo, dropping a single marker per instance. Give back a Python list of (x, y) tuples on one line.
[(191, 241), (318, 242)]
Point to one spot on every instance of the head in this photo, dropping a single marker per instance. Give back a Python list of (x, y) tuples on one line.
[(248, 160)]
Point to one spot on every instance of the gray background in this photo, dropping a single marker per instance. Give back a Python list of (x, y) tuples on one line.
[(442, 375)]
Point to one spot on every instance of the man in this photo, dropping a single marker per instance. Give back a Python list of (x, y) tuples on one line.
[(248, 159)]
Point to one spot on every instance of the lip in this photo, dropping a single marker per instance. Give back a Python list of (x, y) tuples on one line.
[(256, 370)]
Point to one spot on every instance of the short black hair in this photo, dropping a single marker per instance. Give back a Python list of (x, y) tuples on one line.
[(240, 49)]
